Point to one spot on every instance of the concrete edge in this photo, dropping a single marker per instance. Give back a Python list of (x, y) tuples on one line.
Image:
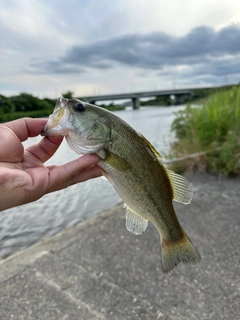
[(20, 260)]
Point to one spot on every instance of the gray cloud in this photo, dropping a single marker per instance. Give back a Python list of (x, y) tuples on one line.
[(205, 50)]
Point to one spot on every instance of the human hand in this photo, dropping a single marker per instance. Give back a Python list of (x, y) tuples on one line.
[(23, 176)]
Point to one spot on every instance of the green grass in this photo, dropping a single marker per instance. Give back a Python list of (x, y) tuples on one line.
[(213, 128)]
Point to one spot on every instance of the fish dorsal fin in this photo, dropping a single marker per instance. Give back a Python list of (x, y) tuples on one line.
[(134, 222), (153, 150), (182, 189)]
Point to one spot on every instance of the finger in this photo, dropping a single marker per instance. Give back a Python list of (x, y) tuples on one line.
[(92, 172), (45, 149), (11, 135), (26, 127), (75, 171)]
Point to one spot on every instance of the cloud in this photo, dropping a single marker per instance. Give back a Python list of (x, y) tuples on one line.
[(116, 46), (203, 50)]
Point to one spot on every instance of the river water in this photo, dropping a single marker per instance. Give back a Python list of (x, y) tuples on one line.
[(22, 226)]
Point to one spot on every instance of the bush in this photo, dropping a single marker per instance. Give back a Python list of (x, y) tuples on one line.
[(6, 105), (213, 128), (51, 102), (16, 115), (27, 102)]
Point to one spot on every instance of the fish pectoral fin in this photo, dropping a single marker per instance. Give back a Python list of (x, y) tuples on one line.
[(103, 176), (117, 162), (182, 189), (134, 222), (107, 176)]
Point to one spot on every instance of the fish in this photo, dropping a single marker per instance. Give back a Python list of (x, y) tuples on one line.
[(134, 168)]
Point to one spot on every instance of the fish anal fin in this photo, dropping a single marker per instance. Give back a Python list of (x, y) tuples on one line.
[(182, 188), (181, 251), (134, 222)]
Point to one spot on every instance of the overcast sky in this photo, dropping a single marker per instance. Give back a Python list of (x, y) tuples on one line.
[(95, 47)]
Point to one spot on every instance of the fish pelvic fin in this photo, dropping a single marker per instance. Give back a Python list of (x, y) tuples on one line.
[(134, 222), (176, 252)]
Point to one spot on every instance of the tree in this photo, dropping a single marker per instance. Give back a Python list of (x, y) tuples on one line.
[(68, 95), (27, 102), (6, 106)]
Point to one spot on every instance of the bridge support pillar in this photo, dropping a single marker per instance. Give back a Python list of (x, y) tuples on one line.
[(135, 103)]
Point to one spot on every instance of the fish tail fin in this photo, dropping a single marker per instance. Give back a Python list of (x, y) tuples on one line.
[(175, 252)]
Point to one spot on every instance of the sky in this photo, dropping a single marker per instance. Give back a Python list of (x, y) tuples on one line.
[(93, 47)]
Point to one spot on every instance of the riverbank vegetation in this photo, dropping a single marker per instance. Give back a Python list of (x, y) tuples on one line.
[(24, 105), (212, 131)]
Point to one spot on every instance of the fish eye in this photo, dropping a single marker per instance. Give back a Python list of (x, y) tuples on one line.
[(79, 107)]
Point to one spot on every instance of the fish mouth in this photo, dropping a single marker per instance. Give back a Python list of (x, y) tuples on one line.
[(56, 124), (53, 130), (61, 103)]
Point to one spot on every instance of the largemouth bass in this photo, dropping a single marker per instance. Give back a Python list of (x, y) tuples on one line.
[(134, 168)]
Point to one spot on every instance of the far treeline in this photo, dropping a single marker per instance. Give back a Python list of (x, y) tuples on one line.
[(27, 105)]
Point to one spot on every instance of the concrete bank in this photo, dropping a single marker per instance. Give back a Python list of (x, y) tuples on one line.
[(98, 270)]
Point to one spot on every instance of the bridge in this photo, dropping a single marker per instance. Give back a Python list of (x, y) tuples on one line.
[(135, 96)]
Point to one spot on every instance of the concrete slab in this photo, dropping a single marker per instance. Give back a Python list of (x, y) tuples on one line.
[(98, 270)]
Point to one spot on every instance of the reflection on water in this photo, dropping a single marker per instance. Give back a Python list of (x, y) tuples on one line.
[(27, 224)]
